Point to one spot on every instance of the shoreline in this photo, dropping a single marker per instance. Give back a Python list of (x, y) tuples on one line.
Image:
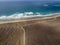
[(35, 29), (29, 19)]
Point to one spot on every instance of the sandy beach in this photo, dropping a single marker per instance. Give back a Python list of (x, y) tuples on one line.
[(30, 19), (32, 31)]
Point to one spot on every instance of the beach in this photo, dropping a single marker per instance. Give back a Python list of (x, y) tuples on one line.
[(32, 31), (30, 18)]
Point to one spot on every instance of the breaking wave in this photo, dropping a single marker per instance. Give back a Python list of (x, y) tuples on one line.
[(45, 5), (24, 15)]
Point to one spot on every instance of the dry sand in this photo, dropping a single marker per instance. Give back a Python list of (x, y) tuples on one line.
[(34, 31)]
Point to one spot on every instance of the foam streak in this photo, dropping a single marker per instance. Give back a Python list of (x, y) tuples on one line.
[(24, 15)]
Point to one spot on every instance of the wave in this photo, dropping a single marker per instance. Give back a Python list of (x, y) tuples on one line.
[(45, 5), (24, 15)]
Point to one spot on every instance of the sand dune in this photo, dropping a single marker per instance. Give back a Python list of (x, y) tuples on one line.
[(37, 31)]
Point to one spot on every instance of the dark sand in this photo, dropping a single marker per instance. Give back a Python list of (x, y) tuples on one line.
[(37, 31)]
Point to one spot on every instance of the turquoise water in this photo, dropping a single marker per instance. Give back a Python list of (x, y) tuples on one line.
[(21, 9)]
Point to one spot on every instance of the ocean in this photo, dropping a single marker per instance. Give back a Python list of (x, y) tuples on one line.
[(24, 9)]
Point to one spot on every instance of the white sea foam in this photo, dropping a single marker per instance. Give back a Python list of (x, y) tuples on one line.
[(45, 5), (24, 15)]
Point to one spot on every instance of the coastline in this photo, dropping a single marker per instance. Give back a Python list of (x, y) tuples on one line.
[(30, 19), (39, 29)]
